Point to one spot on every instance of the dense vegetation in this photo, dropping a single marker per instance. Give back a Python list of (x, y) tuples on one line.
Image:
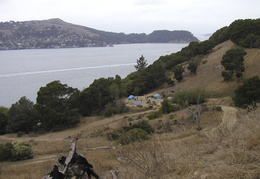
[(59, 106), (15, 151), (242, 32)]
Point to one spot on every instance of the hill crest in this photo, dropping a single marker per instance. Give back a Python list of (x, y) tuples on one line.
[(56, 33)]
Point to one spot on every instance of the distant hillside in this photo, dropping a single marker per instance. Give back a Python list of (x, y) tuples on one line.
[(55, 33)]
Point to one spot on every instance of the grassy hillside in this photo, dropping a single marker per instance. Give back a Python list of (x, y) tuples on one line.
[(209, 71), (227, 146)]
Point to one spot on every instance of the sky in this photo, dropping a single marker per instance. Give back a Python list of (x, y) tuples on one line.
[(200, 17)]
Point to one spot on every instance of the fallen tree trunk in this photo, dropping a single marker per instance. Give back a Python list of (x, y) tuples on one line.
[(70, 156)]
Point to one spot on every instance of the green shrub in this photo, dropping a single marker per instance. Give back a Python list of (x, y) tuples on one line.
[(115, 134), (132, 135), (19, 134), (154, 115), (110, 110), (167, 107), (21, 151), (188, 97), (217, 108), (144, 125), (5, 151), (204, 62)]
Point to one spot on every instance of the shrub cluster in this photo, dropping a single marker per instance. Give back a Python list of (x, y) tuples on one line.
[(15, 151), (154, 115), (144, 125), (133, 135), (136, 132), (189, 97)]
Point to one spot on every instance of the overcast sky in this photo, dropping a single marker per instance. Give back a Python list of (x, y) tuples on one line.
[(135, 16)]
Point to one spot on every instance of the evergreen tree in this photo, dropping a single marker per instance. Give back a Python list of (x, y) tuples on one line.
[(23, 116), (141, 63)]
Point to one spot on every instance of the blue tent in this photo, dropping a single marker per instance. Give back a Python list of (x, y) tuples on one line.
[(157, 96), (131, 97)]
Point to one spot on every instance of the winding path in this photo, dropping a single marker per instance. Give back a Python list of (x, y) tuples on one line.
[(229, 119)]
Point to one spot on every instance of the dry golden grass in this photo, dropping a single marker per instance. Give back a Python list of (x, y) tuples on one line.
[(209, 74), (230, 153)]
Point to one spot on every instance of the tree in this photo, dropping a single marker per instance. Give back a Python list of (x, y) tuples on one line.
[(248, 93), (193, 65), (178, 70), (94, 98), (233, 62), (23, 116), (141, 63), (3, 123), (56, 105), (249, 41)]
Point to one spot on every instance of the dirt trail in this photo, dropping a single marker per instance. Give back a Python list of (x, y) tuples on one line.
[(229, 119), (229, 116)]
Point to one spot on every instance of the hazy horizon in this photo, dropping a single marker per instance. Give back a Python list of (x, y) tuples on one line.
[(200, 17)]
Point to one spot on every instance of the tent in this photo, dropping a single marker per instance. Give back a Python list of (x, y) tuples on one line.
[(131, 97), (157, 96), (170, 98)]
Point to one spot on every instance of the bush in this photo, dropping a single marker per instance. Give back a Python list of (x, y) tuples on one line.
[(20, 134), (154, 115), (248, 93), (5, 151), (132, 135), (110, 110), (217, 108), (21, 151), (188, 97), (114, 135), (167, 107), (144, 125)]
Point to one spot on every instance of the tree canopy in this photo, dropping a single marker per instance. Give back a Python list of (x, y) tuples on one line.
[(56, 106), (248, 93), (22, 116), (233, 62), (244, 32)]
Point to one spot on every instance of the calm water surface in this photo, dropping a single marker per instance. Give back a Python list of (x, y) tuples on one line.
[(23, 72)]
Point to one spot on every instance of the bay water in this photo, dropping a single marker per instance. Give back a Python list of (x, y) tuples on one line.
[(23, 72)]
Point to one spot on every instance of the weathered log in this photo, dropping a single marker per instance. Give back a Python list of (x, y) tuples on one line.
[(74, 165), (104, 147), (113, 174), (70, 156)]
